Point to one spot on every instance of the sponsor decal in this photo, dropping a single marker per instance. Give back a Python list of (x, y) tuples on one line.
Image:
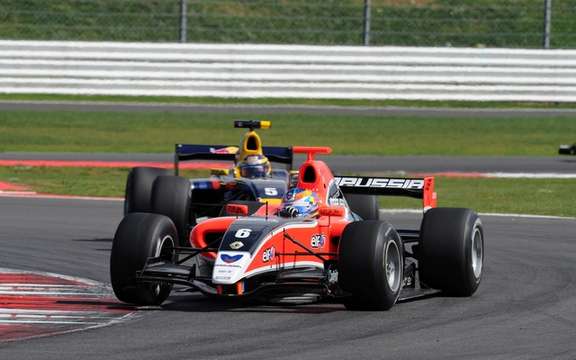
[(381, 183), (268, 254), (236, 245), (229, 259), (318, 240), (203, 185), (225, 150), (336, 202)]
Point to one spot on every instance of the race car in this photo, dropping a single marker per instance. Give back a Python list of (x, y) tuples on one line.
[(184, 200), (567, 149), (312, 246)]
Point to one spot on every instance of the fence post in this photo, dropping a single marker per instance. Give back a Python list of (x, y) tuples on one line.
[(183, 20), (547, 23), (366, 33)]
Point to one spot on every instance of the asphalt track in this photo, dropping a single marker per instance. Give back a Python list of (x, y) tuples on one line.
[(524, 309), (345, 163)]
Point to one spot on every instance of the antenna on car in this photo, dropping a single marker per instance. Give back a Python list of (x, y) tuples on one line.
[(266, 209), (252, 124)]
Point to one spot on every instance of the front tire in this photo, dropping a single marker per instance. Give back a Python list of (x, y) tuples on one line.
[(139, 237), (451, 252), (371, 265)]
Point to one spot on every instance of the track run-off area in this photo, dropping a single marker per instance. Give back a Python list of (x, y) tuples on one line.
[(525, 307)]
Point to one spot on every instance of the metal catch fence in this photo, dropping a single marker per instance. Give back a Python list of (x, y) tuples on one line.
[(445, 23)]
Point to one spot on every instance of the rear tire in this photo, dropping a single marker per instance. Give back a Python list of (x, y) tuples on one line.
[(365, 206), (371, 265), (451, 251), (137, 196), (171, 198), (141, 236)]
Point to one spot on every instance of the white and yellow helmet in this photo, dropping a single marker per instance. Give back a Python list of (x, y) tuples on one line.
[(254, 166)]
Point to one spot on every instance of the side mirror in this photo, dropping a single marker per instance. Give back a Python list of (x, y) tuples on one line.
[(236, 210), (331, 211)]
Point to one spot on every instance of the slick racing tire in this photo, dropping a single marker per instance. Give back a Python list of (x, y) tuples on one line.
[(141, 236), (171, 198), (139, 188), (365, 206), (370, 265), (451, 251)]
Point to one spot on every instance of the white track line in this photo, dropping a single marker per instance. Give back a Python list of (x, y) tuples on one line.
[(527, 216), (529, 175)]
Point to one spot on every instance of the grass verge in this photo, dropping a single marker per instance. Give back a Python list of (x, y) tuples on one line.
[(523, 196), (60, 131)]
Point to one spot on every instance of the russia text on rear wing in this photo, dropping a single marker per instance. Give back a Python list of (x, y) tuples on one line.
[(420, 188)]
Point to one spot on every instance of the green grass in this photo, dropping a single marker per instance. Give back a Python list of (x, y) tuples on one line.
[(517, 23), (351, 135), (524, 196), (519, 196), (277, 101)]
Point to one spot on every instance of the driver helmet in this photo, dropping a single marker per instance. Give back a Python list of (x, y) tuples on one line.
[(299, 203), (254, 166)]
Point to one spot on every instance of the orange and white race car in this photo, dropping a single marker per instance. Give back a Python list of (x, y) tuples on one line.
[(311, 246)]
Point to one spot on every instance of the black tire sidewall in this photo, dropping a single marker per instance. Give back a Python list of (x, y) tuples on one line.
[(136, 240), (171, 197), (137, 194), (444, 254), (362, 271)]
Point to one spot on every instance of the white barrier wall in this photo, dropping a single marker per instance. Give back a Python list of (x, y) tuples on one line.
[(287, 71)]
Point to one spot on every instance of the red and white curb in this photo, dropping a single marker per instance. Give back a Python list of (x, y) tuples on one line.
[(114, 164), (34, 304), (34, 195), (20, 191), (498, 175)]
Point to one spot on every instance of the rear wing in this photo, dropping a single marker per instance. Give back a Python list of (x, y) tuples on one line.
[(186, 152), (420, 188)]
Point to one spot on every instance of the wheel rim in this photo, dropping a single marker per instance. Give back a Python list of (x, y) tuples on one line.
[(392, 266), (477, 252), (165, 250)]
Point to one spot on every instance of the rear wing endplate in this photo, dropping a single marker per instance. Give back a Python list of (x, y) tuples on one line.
[(420, 188)]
